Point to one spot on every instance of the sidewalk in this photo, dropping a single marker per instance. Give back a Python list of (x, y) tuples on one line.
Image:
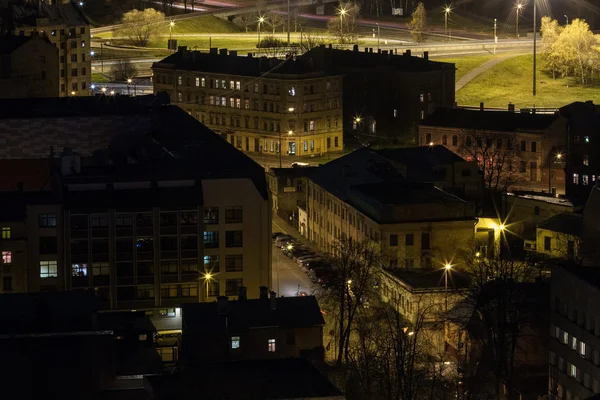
[(469, 76), (280, 225)]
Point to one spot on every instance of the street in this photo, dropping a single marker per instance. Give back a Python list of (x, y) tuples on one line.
[(288, 278)]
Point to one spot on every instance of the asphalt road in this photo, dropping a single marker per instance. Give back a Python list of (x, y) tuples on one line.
[(288, 278)]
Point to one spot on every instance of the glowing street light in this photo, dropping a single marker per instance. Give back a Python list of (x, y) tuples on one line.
[(93, 87), (260, 21), (501, 227), (519, 8), (171, 26), (291, 109), (447, 11), (343, 12), (112, 92), (103, 90), (207, 277), (92, 53)]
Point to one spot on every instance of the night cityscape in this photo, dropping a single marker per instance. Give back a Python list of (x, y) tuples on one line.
[(300, 199)]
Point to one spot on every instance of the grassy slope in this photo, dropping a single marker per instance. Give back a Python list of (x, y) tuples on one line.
[(466, 64), (511, 81)]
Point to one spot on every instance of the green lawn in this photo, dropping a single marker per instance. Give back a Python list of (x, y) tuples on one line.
[(511, 81), (467, 63), (99, 78), (242, 44)]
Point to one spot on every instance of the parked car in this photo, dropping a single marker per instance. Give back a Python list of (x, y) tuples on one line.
[(312, 264), (322, 276), (311, 256), (282, 238), (285, 243), (277, 235)]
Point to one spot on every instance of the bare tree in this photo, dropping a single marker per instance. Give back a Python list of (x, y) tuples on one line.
[(497, 157), (498, 294), (245, 20), (356, 267), (310, 41), (344, 24), (123, 70), (139, 27)]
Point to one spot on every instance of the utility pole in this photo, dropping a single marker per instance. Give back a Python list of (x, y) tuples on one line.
[(377, 36), (534, 42), (495, 35), (288, 23)]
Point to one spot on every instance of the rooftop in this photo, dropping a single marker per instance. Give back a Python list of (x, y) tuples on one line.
[(63, 14), (256, 380), (430, 278), (8, 44), (293, 312), (402, 193), (505, 121), (228, 62), (547, 198), (339, 61), (567, 223), (591, 275)]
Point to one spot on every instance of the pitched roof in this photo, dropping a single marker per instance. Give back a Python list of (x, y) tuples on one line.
[(505, 121), (67, 14), (8, 44), (405, 193), (292, 312), (568, 223), (245, 380)]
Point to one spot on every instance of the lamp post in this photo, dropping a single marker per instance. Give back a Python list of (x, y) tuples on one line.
[(342, 13), (495, 34), (519, 8), (128, 85), (550, 162), (288, 22), (377, 36), (171, 26), (260, 21), (534, 42), (446, 12), (447, 269), (567, 18), (207, 278)]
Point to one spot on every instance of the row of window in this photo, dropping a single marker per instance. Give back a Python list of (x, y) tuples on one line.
[(409, 240), (580, 318), (584, 179), (478, 141), (59, 32), (235, 342), (233, 215), (237, 85)]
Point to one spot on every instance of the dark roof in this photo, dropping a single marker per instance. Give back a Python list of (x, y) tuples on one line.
[(292, 172), (292, 312), (192, 60), (66, 14), (339, 61), (430, 278), (8, 44), (591, 275), (165, 141), (125, 320), (13, 204), (430, 155), (401, 192), (27, 313), (568, 223), (505, 121), (245, 380)]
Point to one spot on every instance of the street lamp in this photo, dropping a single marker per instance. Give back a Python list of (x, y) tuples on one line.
[(103, 90), (567, 18), (260, 21), (495, 35), (342, 13), (128, 85), (207, 278), (446, 12), (447, 269), (519, 8), (171, 26)]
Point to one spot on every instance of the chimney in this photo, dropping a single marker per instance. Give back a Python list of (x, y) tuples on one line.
[(366, 49), (182, 49), (250, 55), (407, 53), (222, 305), (264, 292), (214, 51), (511, 107), (330, 46), (371, 50), (243, 293), (426, 55), (481, 107), (384, 52), (233, 53), (378, 51), (355, 48), (222, 52)]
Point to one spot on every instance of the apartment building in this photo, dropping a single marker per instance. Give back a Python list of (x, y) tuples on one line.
[(526, 147), (582, 168), (67, 28), (145, 222), (28, 67), (386, 94), (362, 196), (574, 348), (264, 106)]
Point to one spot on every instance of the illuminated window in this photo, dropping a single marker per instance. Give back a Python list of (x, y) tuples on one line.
[(235, 342), (203, 82), (238, 85), (271, 346), (79, 269), (292, 91), (5, 232), (100, 269), (582, 348), (575, 180), (586, 139), (179, 80), (231, 85), (6, 257), (48, 269)]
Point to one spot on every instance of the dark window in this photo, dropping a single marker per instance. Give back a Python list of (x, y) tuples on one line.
[(47, 220), (409, 240), (100, 246), (189, 290), (73, 71), (48, 245), (533, 147), (211, 215), (77, 246), (145, 268), (445, 140), (144, 244), (168, 243), (523, 145), (79, 222), (168, 267), (99, 220), (145, 292), (454, 140), (213, 288), (233, 239), (124, 220), (7, 283), (547, 243), (188, 218), (168, 219), (536, 210), (393, 240), (523, 167), (189, 242), (126, 293), (290, 338), (468, 141), (234, 263), (124, 269), (168, 291), (425, 240), (211, 240), (233, 215), (143, 220), (232, 286), (189, 266)]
